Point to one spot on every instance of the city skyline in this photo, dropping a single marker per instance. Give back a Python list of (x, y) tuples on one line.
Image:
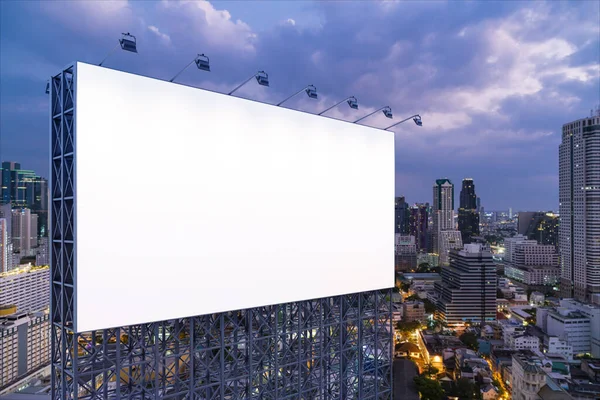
[(475, 71)]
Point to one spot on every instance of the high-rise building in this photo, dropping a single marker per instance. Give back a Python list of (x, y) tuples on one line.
[(4, 246), (510, 244), (24, 345), (539, 226), (406, 253), (532, 263), (26, 288), (24, 231), (443, 210), (448, 240), (468, 287), (579, 196), (402, 216), (419, 223), (468, 217)]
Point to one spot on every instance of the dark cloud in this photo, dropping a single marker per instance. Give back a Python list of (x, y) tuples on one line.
[(494, 81)]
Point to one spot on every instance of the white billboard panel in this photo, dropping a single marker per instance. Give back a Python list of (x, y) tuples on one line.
[(191, 202)]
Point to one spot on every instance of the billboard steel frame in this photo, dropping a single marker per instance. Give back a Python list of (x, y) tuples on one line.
[(331, 348)]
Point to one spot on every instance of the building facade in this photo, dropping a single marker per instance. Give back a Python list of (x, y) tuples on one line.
[(406, 253), (401, 216), (413, 311), (468, 287), (27, 288), (579, 197), (419, 224), (448, 240), (468, 216), (24, 345), (24, 231), (527, 378), (539, 226), (443, 210)]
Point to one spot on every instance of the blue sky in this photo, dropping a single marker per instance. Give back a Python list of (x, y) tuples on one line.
[(493, 81)]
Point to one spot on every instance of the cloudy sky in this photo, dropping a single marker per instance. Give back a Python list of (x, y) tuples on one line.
[(493, 81)]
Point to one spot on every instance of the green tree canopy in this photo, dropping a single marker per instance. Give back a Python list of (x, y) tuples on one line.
[(429, 389), (470, 339)]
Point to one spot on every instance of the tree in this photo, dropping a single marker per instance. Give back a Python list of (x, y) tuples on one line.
[(428, 388), (464, 389), (413, 297), (429, 306), (405, 286), (407, 327), (430, 370), (499, 294), (470, 339)]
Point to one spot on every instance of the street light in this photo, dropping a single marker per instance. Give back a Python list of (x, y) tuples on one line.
[(387, 111), (310, 90), (261, 77), (352, 102), (416, 118), (202, 62), (128, 42)]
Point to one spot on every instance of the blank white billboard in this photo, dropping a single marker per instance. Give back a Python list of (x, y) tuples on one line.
[(191, 202)]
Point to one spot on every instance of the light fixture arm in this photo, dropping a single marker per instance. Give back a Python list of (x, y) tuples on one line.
[(295, 94), (368, 115), (335, 105), (184, 68), (404, 120), (109, 54), (246, 81)]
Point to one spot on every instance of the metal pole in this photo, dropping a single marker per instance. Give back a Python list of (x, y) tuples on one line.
[(368, 115), (184, 68), (295, 94), (404, 120), (243, 83), (108, 55), (335, 105)]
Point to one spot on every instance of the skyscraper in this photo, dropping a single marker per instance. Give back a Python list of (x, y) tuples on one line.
[(24, 231), (579, 196), (468, 218), (443, 210), (468, 287), (4, 246), (401, 216), (419, 223), (539, 226)]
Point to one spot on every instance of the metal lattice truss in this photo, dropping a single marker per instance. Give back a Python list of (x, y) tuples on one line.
[(331, 348)]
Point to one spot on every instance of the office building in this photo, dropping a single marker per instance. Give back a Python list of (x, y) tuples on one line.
[(468, 287), (401, 216), (406, 253), (511, 243), (24, 345), (42, 256), (468, 217), (419, 224), (539, 226), (443, 210), (4, 246), (448, 240), (591, 311), (579, 191), (24, 231), (27, 288)]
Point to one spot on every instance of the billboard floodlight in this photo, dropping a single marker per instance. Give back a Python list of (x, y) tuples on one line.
[(310, 90), (352, 102), (387, 111), (128, 42), (261, 77), (202, 62), (416, 118)]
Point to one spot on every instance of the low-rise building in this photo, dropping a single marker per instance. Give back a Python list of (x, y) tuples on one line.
[(28, 288), (527, 377), (555, 345), (413, 311), (524, 342)]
